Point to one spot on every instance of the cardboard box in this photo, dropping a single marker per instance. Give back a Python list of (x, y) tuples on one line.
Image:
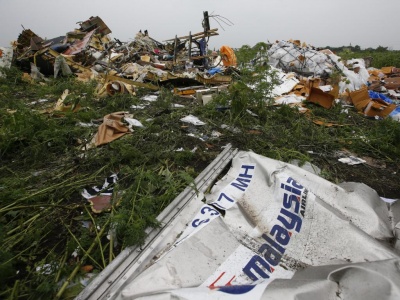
[(320, 97)]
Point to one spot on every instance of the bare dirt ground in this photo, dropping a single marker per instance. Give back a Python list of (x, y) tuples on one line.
[(383, 177), (380, 175)]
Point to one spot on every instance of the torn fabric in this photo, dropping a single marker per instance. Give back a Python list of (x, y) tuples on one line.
[(111, 129)]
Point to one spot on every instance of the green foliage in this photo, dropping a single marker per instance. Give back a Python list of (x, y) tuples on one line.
[(148, 194), (246, 53), (239, 93), (381, 57), (43, 170)]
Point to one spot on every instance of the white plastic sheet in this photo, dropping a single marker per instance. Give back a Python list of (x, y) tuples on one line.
[(133, 122), (271, 230), (290, 99), (193, 120), (285, 84)]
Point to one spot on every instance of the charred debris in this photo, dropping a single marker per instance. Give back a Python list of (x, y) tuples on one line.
[(90, 52)]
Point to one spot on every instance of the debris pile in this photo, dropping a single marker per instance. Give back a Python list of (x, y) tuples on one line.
[(89, 52), (304, 72), (298, 73)]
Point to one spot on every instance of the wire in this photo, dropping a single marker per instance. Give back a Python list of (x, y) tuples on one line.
[(227, 20), (220, 25), (220, 19)]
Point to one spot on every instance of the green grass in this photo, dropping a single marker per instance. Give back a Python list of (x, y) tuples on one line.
[(43, 170), (381, 58)]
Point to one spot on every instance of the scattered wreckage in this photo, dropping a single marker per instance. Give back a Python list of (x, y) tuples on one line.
[(303, 72), (320, 76), (266, 228), (89, 52), (269, 228)]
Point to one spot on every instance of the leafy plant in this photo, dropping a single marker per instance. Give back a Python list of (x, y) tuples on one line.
[(46, 223)]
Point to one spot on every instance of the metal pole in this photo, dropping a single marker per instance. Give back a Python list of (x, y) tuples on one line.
[(175, 48), (190, 45)]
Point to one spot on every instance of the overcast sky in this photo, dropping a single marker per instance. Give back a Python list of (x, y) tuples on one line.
[(367, 23)]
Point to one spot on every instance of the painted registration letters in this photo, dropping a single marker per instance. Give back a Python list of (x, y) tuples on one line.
[(205, 210), (212, 211), (198, 222), (243, 178)]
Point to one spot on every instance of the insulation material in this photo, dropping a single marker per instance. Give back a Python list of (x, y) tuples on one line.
[(61, 65), (272, 230), (289, 99), (111, 129), (228, 56), (306, 60), (301, 59), (286, 82), (6, 55), (283, 83), (35, 73)]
